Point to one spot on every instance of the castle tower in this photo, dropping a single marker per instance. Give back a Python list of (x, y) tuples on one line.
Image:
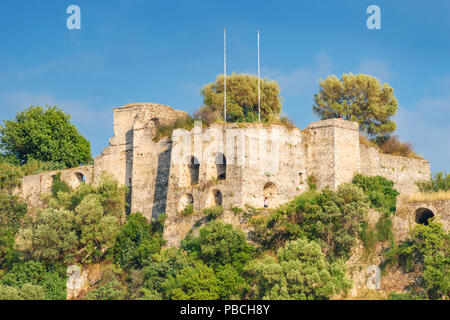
[(333, 151)]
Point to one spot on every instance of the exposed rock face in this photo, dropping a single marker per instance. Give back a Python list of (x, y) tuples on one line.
[(226, 164), (76, 281)]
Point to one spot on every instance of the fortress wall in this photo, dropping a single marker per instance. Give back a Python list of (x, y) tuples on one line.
[(280, 170), (408, 212), (402, 170), (35, 186)]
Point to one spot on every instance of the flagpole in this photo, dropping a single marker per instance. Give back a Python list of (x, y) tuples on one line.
[(225, 75), (259, 86)]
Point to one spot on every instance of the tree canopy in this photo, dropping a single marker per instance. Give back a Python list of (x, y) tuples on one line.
[(242, 99), (360, 98), (44, 134)]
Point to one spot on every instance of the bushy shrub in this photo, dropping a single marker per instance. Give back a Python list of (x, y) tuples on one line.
[(393, 145), (380, 191), (58, 185), (300, 272), (109, 288), (427, 251), (186, 123), (51, 281), (334, 219), (160, 273), (219, 244), (438, 182), (136, 242), (12, 217), (196, 282), (188, 210), (79, 225), (213, 213)]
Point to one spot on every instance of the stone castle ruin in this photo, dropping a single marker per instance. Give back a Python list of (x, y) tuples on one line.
[(231, 165)]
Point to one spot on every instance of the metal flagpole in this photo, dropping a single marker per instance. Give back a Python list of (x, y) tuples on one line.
[(259, 86), (225, 75)]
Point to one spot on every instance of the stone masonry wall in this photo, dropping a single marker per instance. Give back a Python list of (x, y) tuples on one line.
[(402, 170)]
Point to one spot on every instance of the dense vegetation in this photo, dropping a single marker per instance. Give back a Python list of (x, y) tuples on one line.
[(438, 182), (359, 98), (297, 251), (242, 99), (44, 134)]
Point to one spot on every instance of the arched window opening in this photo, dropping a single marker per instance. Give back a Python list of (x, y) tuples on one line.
[(270, 195), (423, 216), (185, 200), (217, 197), (194, 170), (214, 199), (221, 166), (80, 177)]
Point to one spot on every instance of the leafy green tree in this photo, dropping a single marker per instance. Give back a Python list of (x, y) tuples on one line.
[(79, 225), (160, 273), (242, 99), (52, 237), (219, 244), (300, 272), (97, 230), (231, 284), (360, 98), (51, 281), (426, 252), (380, 191), (44, 134), (332, 218), (136, 242), (197, 282)]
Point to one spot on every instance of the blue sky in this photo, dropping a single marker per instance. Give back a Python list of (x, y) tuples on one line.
[(165, 51)]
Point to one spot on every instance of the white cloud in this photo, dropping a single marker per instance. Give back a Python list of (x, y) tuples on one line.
[(80, 111), (427, 125), (302, 80), (377, 68)]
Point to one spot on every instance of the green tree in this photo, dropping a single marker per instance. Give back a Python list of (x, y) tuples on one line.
[(51, 280), (380, 191), (136, 242), (197, 282), (332, 218), (426, 252), (12, 217), (242, 99), (219, 244), (360, 98), (300, 272), (44, 134)]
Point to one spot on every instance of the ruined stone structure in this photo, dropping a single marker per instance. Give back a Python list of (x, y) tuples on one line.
[(227, 164)]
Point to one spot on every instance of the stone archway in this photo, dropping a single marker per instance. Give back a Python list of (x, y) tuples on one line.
[(81, 178), (423, 215), (214, 199), (194, 170), (221, 166), (270, 193), (185, 200)]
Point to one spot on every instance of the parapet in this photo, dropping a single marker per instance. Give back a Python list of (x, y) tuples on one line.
[(340, 123)]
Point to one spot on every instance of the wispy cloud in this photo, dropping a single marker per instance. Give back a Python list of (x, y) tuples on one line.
[(427, 125), (301, 80), (378, 68), (81, 112)]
